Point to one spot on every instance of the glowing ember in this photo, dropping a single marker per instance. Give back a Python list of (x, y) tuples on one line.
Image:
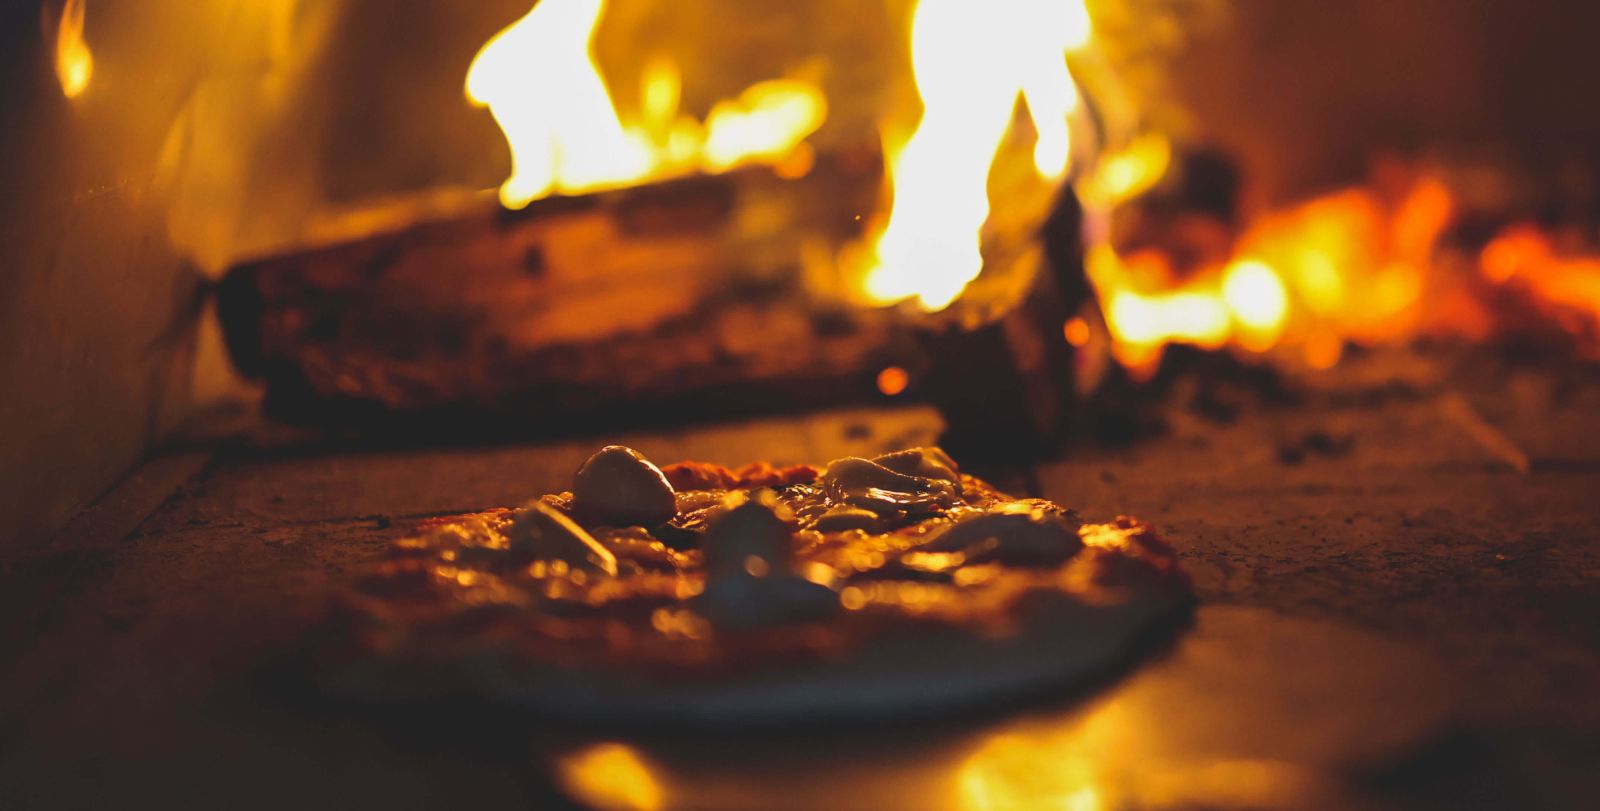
[(540, 80), (74, 63), (893, 380), (1565, 288), (972, 61), (1364, 265), (1077, 332)]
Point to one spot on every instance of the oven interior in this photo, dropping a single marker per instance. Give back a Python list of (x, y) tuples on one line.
[(1315, 289)]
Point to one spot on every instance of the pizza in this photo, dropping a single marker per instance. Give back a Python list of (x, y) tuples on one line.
[(890, 587)]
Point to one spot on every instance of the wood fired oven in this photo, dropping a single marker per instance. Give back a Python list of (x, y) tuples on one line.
[(1315, 289)]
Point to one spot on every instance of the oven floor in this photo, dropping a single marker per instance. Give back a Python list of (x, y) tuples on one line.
[(1400, 576)]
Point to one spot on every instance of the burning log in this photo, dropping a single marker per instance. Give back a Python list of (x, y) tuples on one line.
[(655, 303), (1000, 370), (684, 292)]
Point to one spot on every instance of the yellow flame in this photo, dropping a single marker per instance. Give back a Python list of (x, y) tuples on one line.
[(762, 122), (1258, 301), (539, 79), (662, 89), (1013, 772), (612, 776), (1246, 302), (972, 61), (74, 63), (1128, 172)]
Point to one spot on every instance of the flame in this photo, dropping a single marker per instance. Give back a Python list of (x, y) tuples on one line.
[(1366, 264), (74, 62), (1245, 301), (1362, 264), (1257, 302), (1347, 265), (761, 123), (564, 131), (1012, 772), (972, 62), (1565, 288), (539, 79), (612, 776), (1126, 173)]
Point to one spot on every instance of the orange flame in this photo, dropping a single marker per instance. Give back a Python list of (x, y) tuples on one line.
[(1565, 288), (74, 62), (1345, 265), (612, 776), (1363, 265), (539, 79)]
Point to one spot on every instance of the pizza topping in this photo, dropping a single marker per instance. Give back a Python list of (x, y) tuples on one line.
[(870, 486), (927, 463), (702, 476), (751, 528), (748, 602), (619, 487), (749, 582), (1018, 537), (845, 517), (545, 533), (758, 564), (707, 476)]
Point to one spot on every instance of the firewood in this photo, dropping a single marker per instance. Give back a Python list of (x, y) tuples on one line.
[(670, 290), (658, 303)]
